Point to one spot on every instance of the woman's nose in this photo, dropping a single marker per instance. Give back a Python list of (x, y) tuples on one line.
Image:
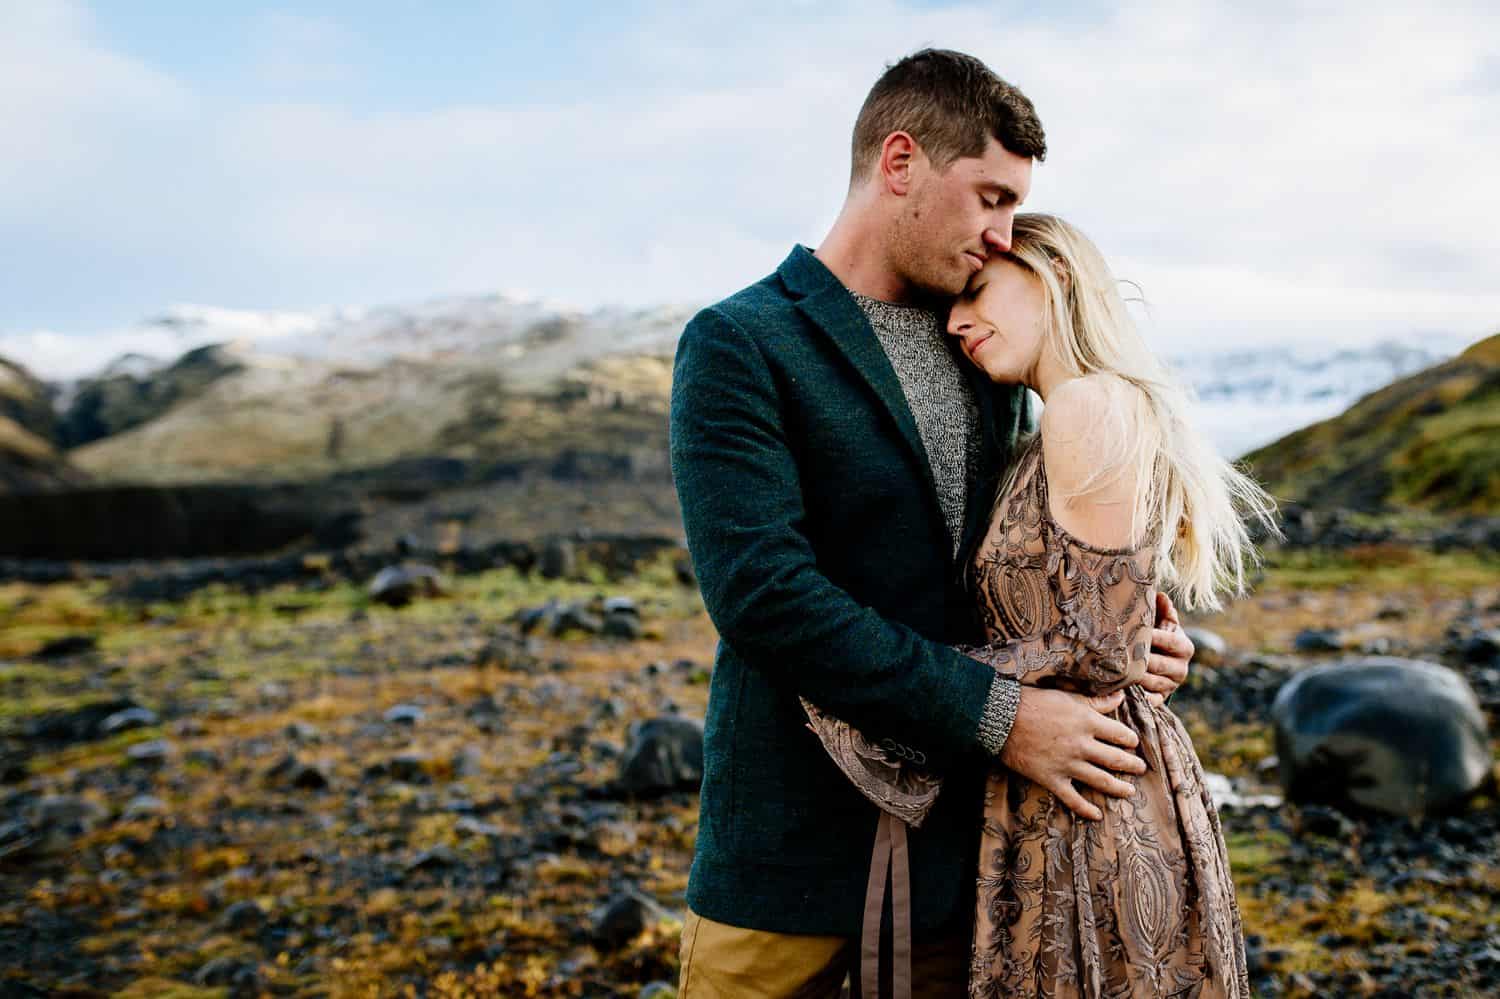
[(959, 321)]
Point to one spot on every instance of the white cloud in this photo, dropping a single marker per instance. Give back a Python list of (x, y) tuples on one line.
[(1262, 172)]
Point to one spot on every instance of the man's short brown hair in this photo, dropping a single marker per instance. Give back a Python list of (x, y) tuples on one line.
[(951, 104)]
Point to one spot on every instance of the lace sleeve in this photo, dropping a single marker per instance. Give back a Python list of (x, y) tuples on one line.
[(876, 770)]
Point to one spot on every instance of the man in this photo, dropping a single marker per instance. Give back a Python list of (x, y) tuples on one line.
[(835, 458)]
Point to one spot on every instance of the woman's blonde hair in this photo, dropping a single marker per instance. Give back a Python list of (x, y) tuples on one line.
[(1190, 499)]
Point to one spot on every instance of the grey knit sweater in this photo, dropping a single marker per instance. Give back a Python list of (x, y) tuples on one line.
[(947, 416)]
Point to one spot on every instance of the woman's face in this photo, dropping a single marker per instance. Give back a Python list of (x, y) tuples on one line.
[(998, 319)]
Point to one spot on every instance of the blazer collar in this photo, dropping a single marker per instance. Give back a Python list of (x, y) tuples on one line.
[(822, 298)]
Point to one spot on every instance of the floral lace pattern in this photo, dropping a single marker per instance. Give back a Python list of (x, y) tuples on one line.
[(1140, 903)]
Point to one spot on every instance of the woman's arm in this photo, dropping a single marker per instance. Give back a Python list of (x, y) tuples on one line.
[(1101, 585)]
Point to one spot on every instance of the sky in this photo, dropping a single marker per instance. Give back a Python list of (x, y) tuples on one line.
[(1265, 172)]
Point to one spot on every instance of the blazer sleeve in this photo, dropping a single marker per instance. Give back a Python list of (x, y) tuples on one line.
[(738, 486)]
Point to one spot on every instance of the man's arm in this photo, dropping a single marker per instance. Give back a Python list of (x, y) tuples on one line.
[(742, 509)]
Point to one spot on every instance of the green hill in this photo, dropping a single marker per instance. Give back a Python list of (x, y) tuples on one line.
[(29, 458), (1430, 442)]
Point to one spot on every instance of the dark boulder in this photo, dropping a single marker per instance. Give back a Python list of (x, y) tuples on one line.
[(78, 724), (1389, 735), (559, 559), (664, 754), (623, 918), (67, 645)]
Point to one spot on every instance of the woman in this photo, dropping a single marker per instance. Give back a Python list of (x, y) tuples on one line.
[(1115, 496)]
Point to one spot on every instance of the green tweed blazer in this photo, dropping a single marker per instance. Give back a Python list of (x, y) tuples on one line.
[(824, 561)]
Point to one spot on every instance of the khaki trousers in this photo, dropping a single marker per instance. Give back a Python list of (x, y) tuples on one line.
[(728, 962)]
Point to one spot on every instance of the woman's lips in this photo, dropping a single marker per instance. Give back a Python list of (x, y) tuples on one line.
[(973, 348)]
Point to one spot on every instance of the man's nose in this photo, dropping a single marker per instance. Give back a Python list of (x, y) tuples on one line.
[(997, 238)]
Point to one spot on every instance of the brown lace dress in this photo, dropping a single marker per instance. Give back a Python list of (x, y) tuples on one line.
[(1140, 903)]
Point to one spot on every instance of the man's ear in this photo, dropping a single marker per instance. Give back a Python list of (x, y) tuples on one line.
[(898, 154)]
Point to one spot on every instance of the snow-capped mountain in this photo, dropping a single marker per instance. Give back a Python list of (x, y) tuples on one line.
[(1251, 396), (1247, 395)]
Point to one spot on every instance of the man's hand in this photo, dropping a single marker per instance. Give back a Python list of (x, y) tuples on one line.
[(1059, 737), (1171, 650)]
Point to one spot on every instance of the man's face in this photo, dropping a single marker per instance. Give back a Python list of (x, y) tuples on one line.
[(953, 220)]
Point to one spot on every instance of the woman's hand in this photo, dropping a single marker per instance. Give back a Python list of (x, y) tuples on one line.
[(1171, 651)]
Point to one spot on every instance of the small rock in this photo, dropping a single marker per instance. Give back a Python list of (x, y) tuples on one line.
[(404, 714), (143, 806), (272, 692), (1209, 648), (573, 618), (188, 728), (1227, 797), (626, 626), (243, 915), (76, 724), (468, 762), (130, 718), (397, 586), (1317, 820), (410, 767), (508, 651), (559, 559), (615, 839), (302, 732), (623, 918), (296, 773), (620, 605), (1481, 648), (470, 826), (67, 812), (436, 858), (239, 975), (152, 753), (1312, 640)]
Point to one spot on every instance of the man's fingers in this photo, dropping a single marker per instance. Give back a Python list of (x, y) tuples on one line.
[(1166, 614), (1077, 803), (1110, 730), (1107, 703), (1158, 684), (1175, 670), (1156, 700), (1118, 760), (1174, 644), (1102, 780)]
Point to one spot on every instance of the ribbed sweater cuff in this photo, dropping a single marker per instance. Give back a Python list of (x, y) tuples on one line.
[(999, 714)]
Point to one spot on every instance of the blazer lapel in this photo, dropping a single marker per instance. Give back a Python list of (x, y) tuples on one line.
[(1002, 418), (987, 463), (833, 310)]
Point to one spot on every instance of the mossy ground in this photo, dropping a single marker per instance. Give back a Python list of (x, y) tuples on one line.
[(139, 904)]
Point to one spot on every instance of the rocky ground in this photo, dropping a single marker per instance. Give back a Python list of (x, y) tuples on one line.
[(302, 791)]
